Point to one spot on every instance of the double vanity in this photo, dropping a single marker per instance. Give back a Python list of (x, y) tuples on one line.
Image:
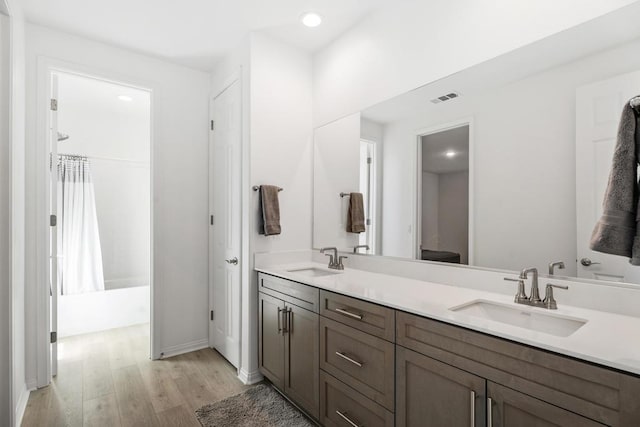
[(358, 348)]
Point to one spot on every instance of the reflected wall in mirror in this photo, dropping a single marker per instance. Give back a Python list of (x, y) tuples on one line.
[(532, 135)]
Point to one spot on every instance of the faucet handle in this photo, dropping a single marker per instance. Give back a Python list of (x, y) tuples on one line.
[(340, 265), (521, 295), (332, 260), (550, 302)]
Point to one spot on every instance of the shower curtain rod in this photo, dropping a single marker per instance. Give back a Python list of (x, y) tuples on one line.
[(115, 159)]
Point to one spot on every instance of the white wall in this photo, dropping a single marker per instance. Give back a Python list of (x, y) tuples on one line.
[(13, 389), (524, 164), (180, 132), (415, 42), (116, 136), (5, 223)]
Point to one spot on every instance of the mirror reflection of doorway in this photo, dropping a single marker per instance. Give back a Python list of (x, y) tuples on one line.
[(444, 195)]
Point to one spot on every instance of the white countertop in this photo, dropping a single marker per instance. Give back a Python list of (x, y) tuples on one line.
[(607, 339)]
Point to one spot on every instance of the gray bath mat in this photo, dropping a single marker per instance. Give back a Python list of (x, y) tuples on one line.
[(260, 406)]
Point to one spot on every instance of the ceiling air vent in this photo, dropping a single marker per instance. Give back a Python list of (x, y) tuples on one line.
[(446, 97)]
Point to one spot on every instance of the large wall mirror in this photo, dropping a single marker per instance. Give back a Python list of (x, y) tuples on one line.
[(503, 165)]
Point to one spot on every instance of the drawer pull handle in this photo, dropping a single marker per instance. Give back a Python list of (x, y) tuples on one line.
[(348, 313), (472, 396), (279, 320), (489, 412), (347, 419), (347, 358)]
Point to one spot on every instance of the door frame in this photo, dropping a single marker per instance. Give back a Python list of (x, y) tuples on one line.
[(417, 182), (235, 77), (45, 67)]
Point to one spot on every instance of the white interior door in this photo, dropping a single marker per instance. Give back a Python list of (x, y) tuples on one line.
[(53, 229), (225, 231), (598, 109)]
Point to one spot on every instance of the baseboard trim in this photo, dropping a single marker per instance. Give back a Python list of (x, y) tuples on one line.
[(176, 350), (249, 378), (22, 406), (32, 384)]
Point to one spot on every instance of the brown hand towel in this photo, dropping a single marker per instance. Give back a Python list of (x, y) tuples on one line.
[(617, 231), (270, 216), (355, 216)]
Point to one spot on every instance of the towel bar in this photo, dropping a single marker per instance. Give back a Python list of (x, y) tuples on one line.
[(257, 187), (345, 194)]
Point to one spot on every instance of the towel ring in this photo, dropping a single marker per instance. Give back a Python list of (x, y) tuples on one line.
[(257, 187), (635, 103)]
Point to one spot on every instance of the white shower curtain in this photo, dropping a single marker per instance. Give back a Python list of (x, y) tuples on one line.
[(80, 255)]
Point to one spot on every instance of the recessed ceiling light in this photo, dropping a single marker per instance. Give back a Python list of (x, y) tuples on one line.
[(125, 98), (450, 153), (311, 19)]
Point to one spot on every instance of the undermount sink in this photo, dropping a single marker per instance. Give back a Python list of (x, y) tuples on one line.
[(527, 318), (313, 272)]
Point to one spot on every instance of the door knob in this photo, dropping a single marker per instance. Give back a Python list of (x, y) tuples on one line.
[(587, 262), (233, 261)]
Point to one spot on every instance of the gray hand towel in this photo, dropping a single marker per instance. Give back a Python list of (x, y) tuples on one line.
[(617, 231), (270, 215), (355, 216)]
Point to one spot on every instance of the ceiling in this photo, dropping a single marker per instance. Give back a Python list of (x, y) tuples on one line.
[(197, 33), (435, 146)]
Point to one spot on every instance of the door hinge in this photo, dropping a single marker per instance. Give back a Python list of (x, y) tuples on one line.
[(211, 220), (54, 337), (213, 125), (54, 104), (369, 160), (53, 220), (211, 316), (368, 222)]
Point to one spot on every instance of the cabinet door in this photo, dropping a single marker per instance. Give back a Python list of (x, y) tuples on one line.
[(271, 339), (509, 408), (433, 394), (302, 359)]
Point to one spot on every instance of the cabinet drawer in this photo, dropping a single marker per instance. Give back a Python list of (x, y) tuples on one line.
[(341, 406), (360, 360), (594, 392), (293, 292), (365, 316)]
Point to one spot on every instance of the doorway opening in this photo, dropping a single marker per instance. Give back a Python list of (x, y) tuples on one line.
[(100, 199), (443, 195)]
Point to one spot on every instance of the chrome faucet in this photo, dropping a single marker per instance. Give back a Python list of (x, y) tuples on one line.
[(335, 261), (355, 248), (534, 300), (555, 264)]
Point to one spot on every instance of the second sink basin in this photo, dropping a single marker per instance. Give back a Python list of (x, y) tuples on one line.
[(528, 318), (313, 272)]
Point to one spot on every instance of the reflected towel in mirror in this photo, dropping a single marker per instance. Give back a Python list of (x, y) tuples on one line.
[(616, 232), (355, 215)]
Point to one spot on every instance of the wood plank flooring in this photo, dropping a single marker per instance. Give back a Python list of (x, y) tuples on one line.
[(106, 379)]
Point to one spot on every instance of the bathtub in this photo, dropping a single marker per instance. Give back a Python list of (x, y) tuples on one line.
[(99, 311)]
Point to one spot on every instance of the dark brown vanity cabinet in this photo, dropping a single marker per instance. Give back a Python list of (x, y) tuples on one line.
[(350, 362), (288, 344), (525, 386)]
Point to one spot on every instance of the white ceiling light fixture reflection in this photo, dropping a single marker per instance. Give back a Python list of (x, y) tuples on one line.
[(311, 19), (125, 98), (450, 153)]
